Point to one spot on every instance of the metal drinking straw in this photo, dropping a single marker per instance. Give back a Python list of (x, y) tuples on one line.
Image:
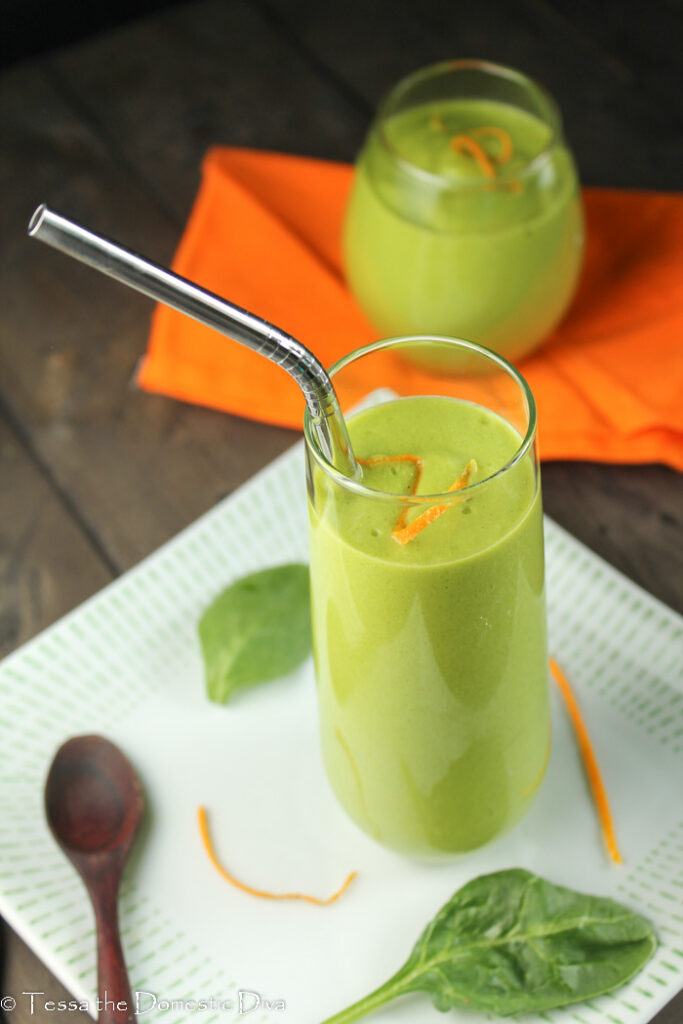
[(259, 335)]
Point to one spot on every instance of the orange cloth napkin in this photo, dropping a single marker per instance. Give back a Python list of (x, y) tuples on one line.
[(265, 233)]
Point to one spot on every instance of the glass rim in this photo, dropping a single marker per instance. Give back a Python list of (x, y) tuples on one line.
[(532, 166), (442, 497)]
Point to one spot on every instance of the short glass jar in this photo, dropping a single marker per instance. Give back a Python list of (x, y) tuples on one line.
[(465, 217)]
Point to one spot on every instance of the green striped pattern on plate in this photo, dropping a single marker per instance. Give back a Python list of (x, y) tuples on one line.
[(126, 664)]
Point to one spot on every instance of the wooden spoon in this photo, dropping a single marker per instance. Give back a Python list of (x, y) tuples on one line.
[(94, 805)]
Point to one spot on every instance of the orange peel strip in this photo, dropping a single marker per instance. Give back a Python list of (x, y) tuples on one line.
[(506, 147), (512, 186), (403, 534), (260, 893), (590, 762), (469, 147), (376, 460)]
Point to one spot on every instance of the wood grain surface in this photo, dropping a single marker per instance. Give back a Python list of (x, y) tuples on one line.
[(112, 130)]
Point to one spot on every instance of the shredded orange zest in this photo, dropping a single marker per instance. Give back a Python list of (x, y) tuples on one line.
[(589, 760), (469, 147), (403, 533), (377, 459), (506, 147), (206, 839), (511, 186)]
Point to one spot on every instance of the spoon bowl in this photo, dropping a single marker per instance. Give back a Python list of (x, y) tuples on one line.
[(93, 798), (94, 806)]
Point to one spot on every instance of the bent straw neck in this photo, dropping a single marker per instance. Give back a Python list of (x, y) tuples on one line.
[(259, 335)]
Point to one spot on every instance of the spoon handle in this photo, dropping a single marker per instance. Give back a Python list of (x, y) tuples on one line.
[(115, 999)]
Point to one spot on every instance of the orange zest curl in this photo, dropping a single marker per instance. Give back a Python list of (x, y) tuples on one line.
[(403, 533), (261, 894), (417, 462), (506, 147), (509, 186), (590, 762), (466, 146)]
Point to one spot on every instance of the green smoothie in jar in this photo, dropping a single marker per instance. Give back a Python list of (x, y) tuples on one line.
[(429, 625), (465, 217)]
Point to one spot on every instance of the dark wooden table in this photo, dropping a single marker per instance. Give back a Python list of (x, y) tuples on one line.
[(95, 474)]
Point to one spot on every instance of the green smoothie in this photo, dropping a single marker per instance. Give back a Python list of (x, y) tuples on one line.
[(431, 655), (465, 220)]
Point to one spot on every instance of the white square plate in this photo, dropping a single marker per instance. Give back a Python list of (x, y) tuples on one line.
[(127, 664)]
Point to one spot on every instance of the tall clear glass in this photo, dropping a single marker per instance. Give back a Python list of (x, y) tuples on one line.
[(429, 616), (465, 217)]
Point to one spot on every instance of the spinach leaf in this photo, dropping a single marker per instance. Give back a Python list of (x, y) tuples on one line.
[(257, 629), (510, 942)]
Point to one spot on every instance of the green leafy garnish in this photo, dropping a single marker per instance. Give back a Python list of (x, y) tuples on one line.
[(257, 629), (510, 942)]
